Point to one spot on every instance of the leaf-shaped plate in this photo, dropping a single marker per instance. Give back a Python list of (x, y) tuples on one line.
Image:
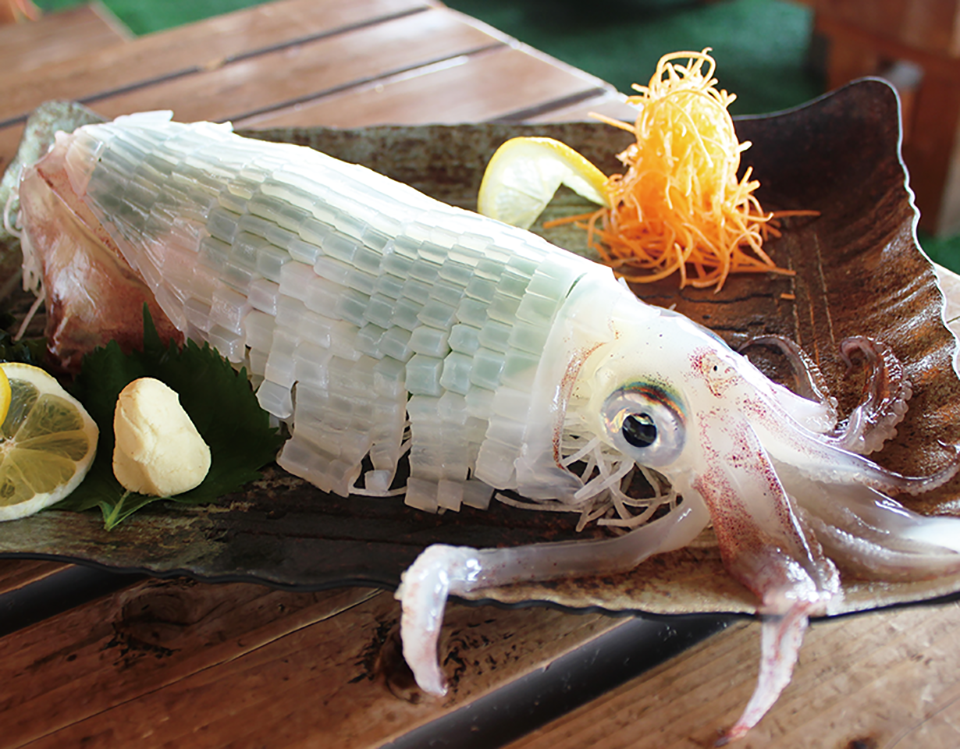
[(859, 271)]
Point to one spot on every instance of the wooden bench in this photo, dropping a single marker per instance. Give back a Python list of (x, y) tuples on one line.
[(58, 37), (256, 68), (874, 37)]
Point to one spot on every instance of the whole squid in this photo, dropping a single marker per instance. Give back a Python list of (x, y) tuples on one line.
[(382, 325)]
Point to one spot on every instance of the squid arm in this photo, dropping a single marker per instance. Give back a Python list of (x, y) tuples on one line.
[(766, 546), (873, 535), (441, 571)]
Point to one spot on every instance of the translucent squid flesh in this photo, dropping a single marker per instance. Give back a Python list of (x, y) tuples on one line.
[(91, 293), (377, 322)]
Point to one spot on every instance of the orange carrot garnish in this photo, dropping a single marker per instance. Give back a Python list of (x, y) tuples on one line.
[(680, 207)]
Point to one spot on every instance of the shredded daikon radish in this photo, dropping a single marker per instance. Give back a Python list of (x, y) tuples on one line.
[(607, 476)]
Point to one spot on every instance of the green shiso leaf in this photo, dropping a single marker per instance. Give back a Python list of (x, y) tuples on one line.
[(218, 399), (27, 351)]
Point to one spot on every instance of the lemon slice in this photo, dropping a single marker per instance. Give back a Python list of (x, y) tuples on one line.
[(4, 395), (47, 442), (524, 174)]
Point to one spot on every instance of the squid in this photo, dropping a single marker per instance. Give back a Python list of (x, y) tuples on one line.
[(381, 326)]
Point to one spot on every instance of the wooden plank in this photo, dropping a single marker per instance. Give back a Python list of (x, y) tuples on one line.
[(467, 88), (610, 104), (58, 37), (930, 152), (209, 45), (848, 58), (932, 155), (171, 663), (186, 49), (873, 680), (324, 64), (305, 71), (332, 81), (889, 49), (118, 647), (17, 573)]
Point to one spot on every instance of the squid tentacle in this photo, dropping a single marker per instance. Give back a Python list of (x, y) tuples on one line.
[(844, 468), (873, 535), (819, 458), (885, 396), (780, 641), (767, 546), (882, 406), (441, 571), (811, 383)]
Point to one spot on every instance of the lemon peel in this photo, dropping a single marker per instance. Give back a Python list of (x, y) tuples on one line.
[(524, 173), (4, 395)]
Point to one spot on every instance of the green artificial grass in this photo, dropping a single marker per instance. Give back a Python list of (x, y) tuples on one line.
[(761, 46), (147, 16)]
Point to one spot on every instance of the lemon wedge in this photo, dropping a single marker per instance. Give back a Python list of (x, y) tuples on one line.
[(524, 173), (47, 442)]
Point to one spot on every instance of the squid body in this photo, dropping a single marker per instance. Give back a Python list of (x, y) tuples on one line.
[(377, 323)]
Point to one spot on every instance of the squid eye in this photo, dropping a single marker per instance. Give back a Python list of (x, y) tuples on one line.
[(639, 430), (646, 423)]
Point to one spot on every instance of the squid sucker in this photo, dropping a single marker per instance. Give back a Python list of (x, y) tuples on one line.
[(380, 326)]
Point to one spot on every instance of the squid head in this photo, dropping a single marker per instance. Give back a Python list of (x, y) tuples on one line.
[(784, 486)]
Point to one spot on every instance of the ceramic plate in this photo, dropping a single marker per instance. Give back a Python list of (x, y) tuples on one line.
[(858, 272)]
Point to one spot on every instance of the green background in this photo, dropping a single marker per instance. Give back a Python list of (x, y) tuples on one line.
[(761, 46)]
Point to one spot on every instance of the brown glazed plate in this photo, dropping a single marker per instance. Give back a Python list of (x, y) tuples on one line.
[(859, 271)]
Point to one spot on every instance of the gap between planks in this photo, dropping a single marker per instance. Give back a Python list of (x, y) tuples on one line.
[(423, 53), (204, 45), (18, 573), (462, 88)]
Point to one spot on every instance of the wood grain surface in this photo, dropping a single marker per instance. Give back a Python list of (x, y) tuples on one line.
[(185, 50), (863, 682), (16, 573), (61, 37), (283, 62), (466, 88), (177, 663)]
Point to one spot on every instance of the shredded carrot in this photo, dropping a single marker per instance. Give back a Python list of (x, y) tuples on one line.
[(680, 206)]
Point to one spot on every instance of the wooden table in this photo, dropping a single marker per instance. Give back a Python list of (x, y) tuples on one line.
[(102, 660)]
